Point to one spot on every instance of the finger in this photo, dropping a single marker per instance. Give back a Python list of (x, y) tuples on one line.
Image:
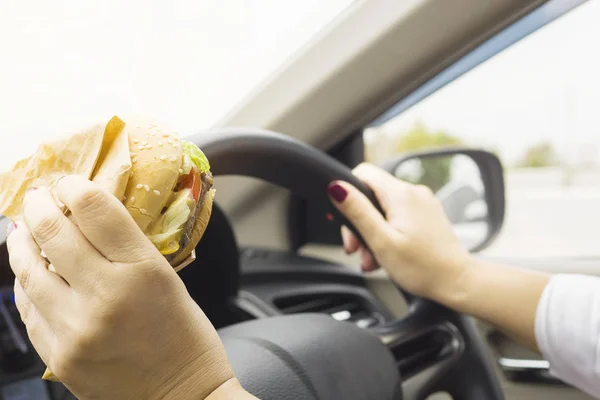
[(38, 330), (45, 289), (104, 220), (362, 214), (22, 302), (385, 185), (351, 243), (368, 262), (72, 256)]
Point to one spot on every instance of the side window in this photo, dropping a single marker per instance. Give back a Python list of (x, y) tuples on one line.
[(537, 105)]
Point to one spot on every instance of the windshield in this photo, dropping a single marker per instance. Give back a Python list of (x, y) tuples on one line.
[(187, 63), (534, 104)]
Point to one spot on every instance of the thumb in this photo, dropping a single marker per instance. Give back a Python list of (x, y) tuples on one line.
[(359, 210)]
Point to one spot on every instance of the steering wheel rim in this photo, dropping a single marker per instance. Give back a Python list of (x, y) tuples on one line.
[(462, 366)]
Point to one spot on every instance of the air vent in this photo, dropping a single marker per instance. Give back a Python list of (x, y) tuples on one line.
[(342, 307), (416, 354)]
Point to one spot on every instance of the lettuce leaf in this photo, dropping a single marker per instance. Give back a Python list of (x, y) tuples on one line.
[(168, 229), (197, 156)]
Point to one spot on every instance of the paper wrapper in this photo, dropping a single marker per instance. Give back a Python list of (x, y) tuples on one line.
[(101, 154)]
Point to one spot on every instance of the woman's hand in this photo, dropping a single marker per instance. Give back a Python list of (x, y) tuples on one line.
[(114, 321), (414, 241)]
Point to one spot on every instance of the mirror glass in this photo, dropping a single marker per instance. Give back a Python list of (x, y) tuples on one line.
[(456, 181)]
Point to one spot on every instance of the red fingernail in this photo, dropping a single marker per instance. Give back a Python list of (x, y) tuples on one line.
[(336, 191), (10, 228)]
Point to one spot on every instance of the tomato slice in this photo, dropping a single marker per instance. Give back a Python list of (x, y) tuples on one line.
[(192, 181)]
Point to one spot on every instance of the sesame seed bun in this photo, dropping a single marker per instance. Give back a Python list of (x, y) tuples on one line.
[(156, 157)]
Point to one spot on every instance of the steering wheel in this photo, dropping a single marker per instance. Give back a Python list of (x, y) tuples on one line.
[(309, 356)]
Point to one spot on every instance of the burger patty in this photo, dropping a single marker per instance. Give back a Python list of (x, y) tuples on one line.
[(207, 183)]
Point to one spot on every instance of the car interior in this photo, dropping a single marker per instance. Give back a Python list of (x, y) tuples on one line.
[(297, 317)]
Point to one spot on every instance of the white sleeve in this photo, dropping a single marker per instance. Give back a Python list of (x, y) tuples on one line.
[(567, 330)]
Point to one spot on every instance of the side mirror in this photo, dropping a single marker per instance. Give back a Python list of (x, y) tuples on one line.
[(469, 183)]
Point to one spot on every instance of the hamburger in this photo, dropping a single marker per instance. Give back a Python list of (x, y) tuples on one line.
[(169, 192), (164, 182)]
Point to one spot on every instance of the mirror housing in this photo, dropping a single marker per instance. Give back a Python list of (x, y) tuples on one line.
[(474, 202)]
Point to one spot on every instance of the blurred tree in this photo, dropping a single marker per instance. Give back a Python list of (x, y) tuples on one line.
[(420, 138), (539, 155), (435, 171)]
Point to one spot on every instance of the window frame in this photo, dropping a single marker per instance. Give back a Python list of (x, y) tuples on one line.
[(518, 30)]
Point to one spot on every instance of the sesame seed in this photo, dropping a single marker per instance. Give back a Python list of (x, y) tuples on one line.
[(160, 143), (143, 210), (149, 147), (170, 142), (174, 158), (135, 141), (132, 199), (153, 133), (180, 171), (146, 188), (141, 147), (124, 198), (163, 157), (157, 192), (165, 135), (132, 154), (144, 143), (139, 186), (134, 160), (137, 125)]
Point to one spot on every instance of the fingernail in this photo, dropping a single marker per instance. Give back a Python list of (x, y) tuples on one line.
[(10, 228), (336, 191)]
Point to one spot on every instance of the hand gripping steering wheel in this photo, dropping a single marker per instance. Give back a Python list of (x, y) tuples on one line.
[(315, 357)]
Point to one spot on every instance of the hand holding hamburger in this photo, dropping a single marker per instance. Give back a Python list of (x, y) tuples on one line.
[(164, 182)]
